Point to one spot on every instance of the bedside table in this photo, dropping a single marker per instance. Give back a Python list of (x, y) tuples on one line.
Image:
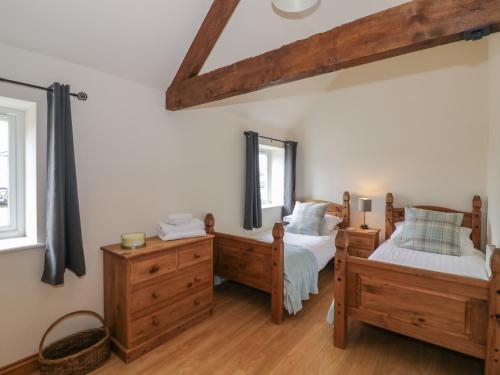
[(362, 242)]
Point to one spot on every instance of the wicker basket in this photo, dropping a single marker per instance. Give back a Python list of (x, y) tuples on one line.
[(76, 354)]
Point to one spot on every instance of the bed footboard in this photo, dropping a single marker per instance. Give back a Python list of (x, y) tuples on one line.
[(254, 263), (455, 312), (492, 365)]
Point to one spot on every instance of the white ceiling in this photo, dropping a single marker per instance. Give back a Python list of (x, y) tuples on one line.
[(145, 41)]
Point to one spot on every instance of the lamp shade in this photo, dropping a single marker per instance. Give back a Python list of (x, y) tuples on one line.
[(294, 6), (365, 204)]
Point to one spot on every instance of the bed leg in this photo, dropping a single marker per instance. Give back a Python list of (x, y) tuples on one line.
[(492, 364), (340, 316), (278, 285)]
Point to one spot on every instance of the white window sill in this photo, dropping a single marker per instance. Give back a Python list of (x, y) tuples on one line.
[(272, 205), (17, 244)]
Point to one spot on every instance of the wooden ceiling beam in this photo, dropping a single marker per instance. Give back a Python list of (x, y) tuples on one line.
[(212, 27), (410, 27)]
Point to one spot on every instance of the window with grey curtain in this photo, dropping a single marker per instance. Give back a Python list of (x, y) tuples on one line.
[(64, 248), (253, 206), (290, 166)]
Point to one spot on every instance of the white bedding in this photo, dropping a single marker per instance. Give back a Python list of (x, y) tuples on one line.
[(470, 265), (323, 247)]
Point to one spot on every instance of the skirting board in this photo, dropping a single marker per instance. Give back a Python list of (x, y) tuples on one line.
[(24, 366)]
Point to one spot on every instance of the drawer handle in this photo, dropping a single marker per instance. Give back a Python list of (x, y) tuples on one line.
[(154, 269), (155, 295), (197, 279), (196, 302), (156, 322), (197, 256), (189, 285)]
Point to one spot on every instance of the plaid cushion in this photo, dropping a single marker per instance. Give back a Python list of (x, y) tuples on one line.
[(307, 219), (432, 231)]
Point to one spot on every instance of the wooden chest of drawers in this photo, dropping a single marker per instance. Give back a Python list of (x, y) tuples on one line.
[(362, 242), (154, 293)]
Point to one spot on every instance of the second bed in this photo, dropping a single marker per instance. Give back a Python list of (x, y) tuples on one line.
[(283, 264)]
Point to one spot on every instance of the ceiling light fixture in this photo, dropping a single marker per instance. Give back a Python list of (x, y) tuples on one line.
[(294, 6)]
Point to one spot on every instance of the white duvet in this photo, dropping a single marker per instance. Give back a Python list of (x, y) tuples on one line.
[(323, 247), (469, 265)]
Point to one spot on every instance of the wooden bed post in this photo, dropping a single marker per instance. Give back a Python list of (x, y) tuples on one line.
[(210, 229), (476, 221), (340, 276), (346, 209), (492, 364), (278, 285), (209, 224), (389, 225)]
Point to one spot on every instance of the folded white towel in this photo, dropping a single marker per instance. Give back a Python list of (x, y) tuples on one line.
[(178, 236), (178, 219), (194, 224)]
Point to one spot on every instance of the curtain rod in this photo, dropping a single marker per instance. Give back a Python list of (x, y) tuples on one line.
[(272, 139), (269, 138), (80, 96)]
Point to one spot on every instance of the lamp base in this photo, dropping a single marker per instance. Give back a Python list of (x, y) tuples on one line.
[(364, 226)]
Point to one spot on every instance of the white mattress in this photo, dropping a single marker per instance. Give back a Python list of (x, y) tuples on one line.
[(323, 247), (472, 265)]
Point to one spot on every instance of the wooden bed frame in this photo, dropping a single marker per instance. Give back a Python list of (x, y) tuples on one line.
[(260, 264), (455, 312)]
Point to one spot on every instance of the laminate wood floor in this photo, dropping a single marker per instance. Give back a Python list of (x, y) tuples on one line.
[(240, 339)]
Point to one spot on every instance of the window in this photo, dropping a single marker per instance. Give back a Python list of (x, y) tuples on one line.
[(272, 175), (265, 170), (12, 222)]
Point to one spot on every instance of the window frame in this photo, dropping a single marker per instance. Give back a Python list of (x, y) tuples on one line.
[(269, 156), (16, 192)]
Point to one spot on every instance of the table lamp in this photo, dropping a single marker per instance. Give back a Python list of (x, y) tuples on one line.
[(365, 205)]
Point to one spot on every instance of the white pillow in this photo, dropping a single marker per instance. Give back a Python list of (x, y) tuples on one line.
[(489, 253), (327, 225), (396, 235), (466, 244)]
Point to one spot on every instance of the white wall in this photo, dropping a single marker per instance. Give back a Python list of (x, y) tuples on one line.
[(415, 125), (493, 184), (135, 163)]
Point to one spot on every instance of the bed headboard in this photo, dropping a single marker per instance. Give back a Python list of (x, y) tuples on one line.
[(471, 219), (340, 210)]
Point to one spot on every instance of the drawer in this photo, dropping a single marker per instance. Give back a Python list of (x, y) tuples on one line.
[(164, 290), (361, 242), (200, 252), (160, 322), (143, 270), (358, 252)]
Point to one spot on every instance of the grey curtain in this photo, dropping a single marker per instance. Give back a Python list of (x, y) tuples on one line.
[(253, 206), (290, 166), (64, 247)]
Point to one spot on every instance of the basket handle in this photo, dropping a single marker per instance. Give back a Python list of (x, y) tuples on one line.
[(64, 317)]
